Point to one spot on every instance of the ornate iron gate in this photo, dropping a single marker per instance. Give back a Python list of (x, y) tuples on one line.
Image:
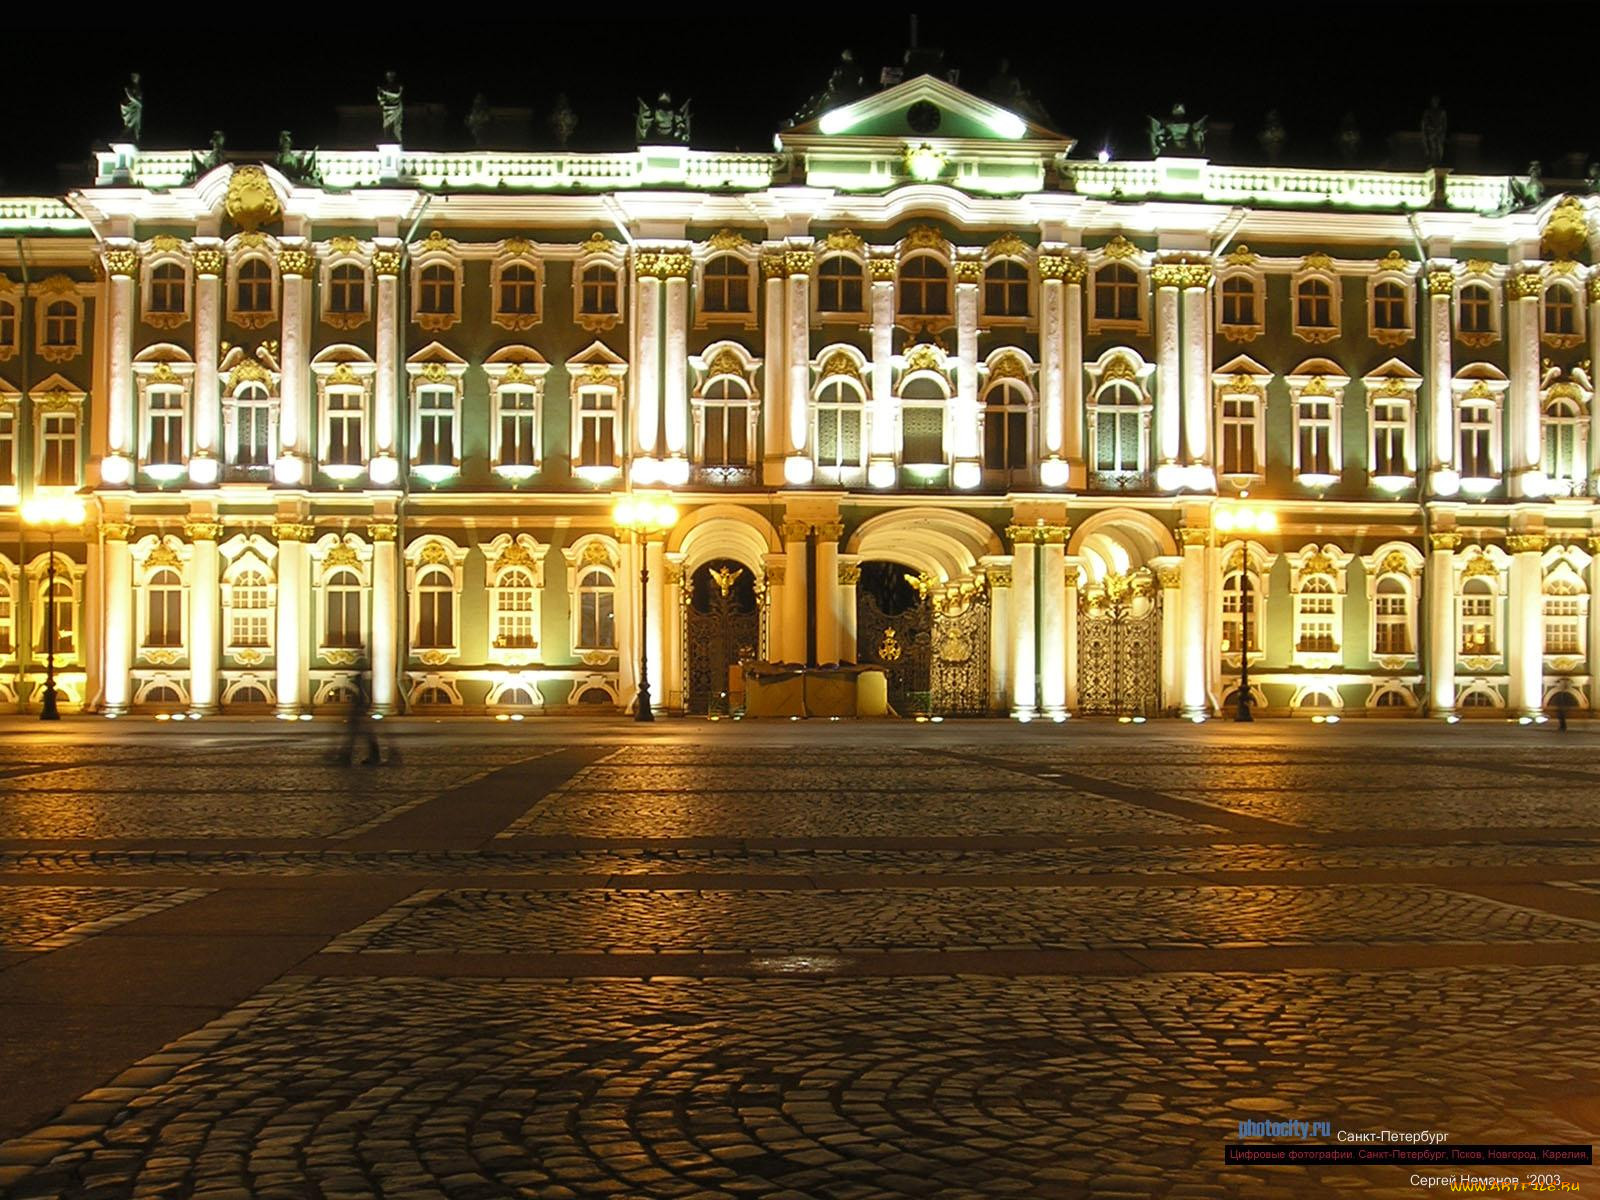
[(894, 629), (961, 653), (722, 626), (1119, 647)]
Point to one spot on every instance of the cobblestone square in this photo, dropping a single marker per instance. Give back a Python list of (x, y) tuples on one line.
[(986, 960)]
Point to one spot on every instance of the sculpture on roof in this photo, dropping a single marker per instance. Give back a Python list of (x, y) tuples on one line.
[(1273, 136), (298, 165), (1349, 138), (132, 110), (1435, 125), (1529, 190), (391, 106), (478, 119), (563, 121), (663, 123), (1177, 133), (200, 163), (844, 85)]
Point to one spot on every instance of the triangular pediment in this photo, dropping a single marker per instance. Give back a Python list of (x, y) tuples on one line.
[(924, 108)]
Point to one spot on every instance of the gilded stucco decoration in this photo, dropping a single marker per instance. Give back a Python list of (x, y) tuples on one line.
[(1444, 541), (798, 262), (726, 239), (1119, 247), (1120, 367), (1317, 261), (1526, 543), (516, 247), (1007, 245), (203, 531), (341, 556), (595, 554), (381, 531), (924, 356), (1480, 564), (924, 237), (1567, 231), (386, 262), (163, 555), (726, 362), (1008, 366), (1441, 283), (295, 261), (840, 363), (343, 245), (1241, 256), (123, 261), (1525, 286), (882, 270), (844, 240), (293, 531), (597, 243), (772, 266), (252, 201), (968, 271), (1393, 261)]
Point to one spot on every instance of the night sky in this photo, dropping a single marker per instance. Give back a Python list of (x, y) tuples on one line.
[(1382, 63)]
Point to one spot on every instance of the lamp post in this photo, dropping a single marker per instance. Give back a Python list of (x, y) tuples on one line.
[(1245, 519), (51, 514), (643, 516)]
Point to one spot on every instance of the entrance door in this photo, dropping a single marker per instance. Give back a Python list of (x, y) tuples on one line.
[(1119, 646), (894, 630), (961, 653), (722, 627)]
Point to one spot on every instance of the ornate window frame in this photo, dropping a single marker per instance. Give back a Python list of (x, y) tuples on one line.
[(161, 251), (727, 243), (164, 369), (1477, 273), (501, 556), (248, 552), (1403, 562), (516, 252), (330, 553), (10, 441), (345, 252), (594, 551), (51, 397), (1402, 272), (11, 300), (718, 361), (1309, 564), (1009, 248), (596, 371), (38, 577), (10, 610), (248, 247), (150, 554), (1319, 267), (925, 361), (846, 245), (517, 368), (57, 289), (1563, 275), (1564, 571), (1118, 252), (841, 365), (436, 368), (425, 555), (1119, 365), (1481, 386), (1394, 382), (599, 251), (1315, 380), (435, 250), (1574, 390), (1243, 377), (1241, 263), (346, 370), (1005, 367), (239, 371), (1258, 561), (1491, 564)]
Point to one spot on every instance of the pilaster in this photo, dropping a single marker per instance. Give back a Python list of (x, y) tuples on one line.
[(294, 625), (385, 466), (798, 262), (1525, 624), (385, 628), (204, 462), (121, 264), (1192, 601), (1442, 637), (118, 601), (1443, 471), (830, 607), (205, 628)]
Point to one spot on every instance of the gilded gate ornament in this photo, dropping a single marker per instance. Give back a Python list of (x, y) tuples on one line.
[(889, 647)]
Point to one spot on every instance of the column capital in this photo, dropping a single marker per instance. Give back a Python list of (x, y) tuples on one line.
[(968, 272), (296, 260), (775, 572), (829, 531), (202, 531), (882, 270), (1040, 534), (849, 573), (1526, 543), (1441, 282), (1181, 274), (795, 531), (998, 576), (674, 264), (381, 531), (1444, 541), (772, 266), (1594, 289), (1065, 267), (799, 262), (386, 262), (207, 261), (121, 261), (1189, 535), (1525, 286), (116, 531), (293, 531)]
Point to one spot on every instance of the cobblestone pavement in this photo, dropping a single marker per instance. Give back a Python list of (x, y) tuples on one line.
[(966, 960)]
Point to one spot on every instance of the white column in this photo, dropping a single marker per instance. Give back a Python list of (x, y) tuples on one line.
[(647, 370), (1525, 624), (1169, 573), (675, 365), (385, 468), (1592, 651), (1594, 358), (118, 601), (1053, 622), (966, 424), (797, 322), (1441, 582), (1052, 395), (673, 596), (1069, 635), (385, 630), (205, 462), (1522, 439), (1169, 381), (849, 577), (796, 586), (830, 632), (294, 626), (1000, 635), (881, 456), (1072, 371), (205, 627), (1024, 657), (1192, 639), (116, 467), (1444, 475), (294, 411), (775, 372), (654, 640), (1197, 378)]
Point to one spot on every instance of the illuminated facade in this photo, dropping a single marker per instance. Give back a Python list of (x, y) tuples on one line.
[(925, 390)]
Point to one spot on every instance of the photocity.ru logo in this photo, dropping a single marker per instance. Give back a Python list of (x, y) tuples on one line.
[(1285, 1129)]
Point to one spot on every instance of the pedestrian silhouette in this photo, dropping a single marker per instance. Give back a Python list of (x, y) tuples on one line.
[(358, 727)]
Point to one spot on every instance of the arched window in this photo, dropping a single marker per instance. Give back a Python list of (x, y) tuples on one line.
[(519, 425), (1239, 301), (1560, 311), (1392, 699), (841, 285), (347, 290), (725, 285), (1315, 605), (163, 609), (1477, 617), (514, 610), (597, 292), (1391, 630), (924, 286), (514, 697), (1118, 414), (1475, 309), (1005, 426), (7, 616), (597, 626), (61, 323), (1563, 617), (519, 290), (8, 324), (1005, 289), (725, 423), (1116, 293), (1231, 632), (249, 610), (252, 287), (247, 694), (838, 420), (1564, 441), (60, 601), (431, 695), (252, 426), (436, 289), (1389, 306), (341, 627), (1477, 441), (436, 600), (922, 405), (1478, 698), (167, 288), (1314, 304)]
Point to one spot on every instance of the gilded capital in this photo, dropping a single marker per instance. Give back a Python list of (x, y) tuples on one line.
[(1441, 283), (295, 261), (1594, 289), (795, 531), (116, 531), (1181, 274), (1444, 541), (292, 531), (968, 271), (829, 531), (202, 531), (772, 266), (1191, 536), (381, 531), (849, 574), (1169, 577), (123, 262), (775, 573), (1526, 286), (1526, 543), (799, 262), (1594, 545), (881, 269), (386, 262), (998, 577), (674, 266), (208, 261)]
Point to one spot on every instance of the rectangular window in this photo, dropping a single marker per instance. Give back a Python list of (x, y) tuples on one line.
[(597, 442), (8, 447), (1392, 635), (1239, 436), (164, 444), (1477, 430), (923, 430), (252, 430), (1389, 425), (58, 462), (1316, 437), (346, 424), (436, 423), (1561, 618), (1477, 624), (519, 417)]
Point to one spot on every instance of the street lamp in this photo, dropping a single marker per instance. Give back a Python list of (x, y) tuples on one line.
[(1246, 519), (643, 516), (51, 514)]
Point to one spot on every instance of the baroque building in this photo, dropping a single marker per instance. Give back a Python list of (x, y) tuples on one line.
[(925, 390)]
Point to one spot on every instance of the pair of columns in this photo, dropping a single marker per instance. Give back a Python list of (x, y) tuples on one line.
[(1183, 451), (828, 592), (294, 629), (661, 384), (1043, 614)]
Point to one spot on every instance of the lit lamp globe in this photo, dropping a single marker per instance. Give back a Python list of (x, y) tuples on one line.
[(52, 514)]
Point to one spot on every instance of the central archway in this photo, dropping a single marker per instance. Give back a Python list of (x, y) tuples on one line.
[(894, 630)]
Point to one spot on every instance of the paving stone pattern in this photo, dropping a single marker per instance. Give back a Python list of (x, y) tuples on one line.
[(47, 918)]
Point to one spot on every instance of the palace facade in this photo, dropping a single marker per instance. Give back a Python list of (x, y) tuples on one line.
[(1042, 435)]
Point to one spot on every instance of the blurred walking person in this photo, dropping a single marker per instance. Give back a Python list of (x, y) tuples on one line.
[(358, 726)]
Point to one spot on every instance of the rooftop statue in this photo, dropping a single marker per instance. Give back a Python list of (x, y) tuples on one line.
[(1529, 190), (1273, 136), (1349, 138), (663, 123), (391, 106), (199, 163), (478, 119), (133, 110), (1435, 125), (1177, 133), (563, 121), (299, 165)]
